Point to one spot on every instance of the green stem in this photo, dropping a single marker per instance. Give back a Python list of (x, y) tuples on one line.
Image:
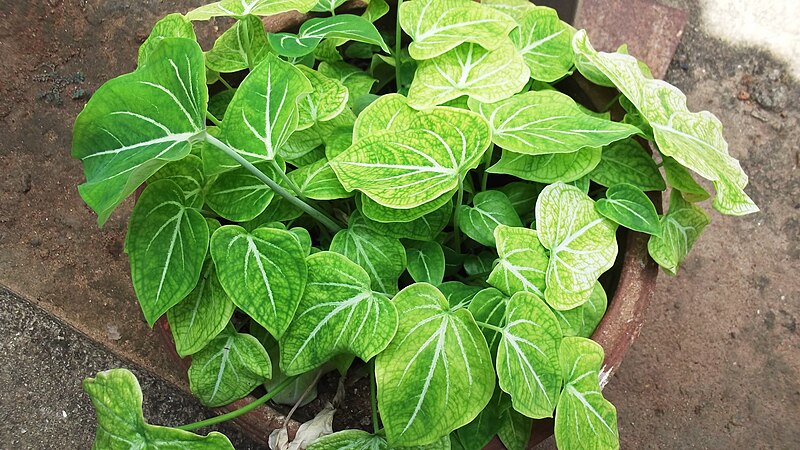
[(278, 189), (456, 228), (373, 394), (285, 178), (486, 163), (246, 35), (398, 40), (490, 326), (238, 412), (611, 103), (213, 119), (225, 83)]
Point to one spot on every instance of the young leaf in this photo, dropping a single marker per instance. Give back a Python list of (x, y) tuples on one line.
[(626, 161), (238, 8), (550, 168), (383, 257), (379, 213), (405, 169), (136, 123), (437, 26), (167, 242), (117, 399), (480, 264), (388, 112), (361, 440), (201, 316), (490, 209), (694, 140), (582, 320), (582, 244), (171, 26), (416, 373), (489, 306), (527, 358), (187, 173), (242, 46), (263, 272), (583, 415), (375, 10), (264, 112), (426, 262), (515, 430), (239, 195), (423, 228), (469, 69), (228, 368), (477, 434), (523, 197), (327, 5), (680, 228), (338, 313), (327, 101), (545, 122), (517, 9), (680, 179), (311, 33), (357, 82), (628, 206), (545, 42), (458, 294), (523, 261), (318, 181)]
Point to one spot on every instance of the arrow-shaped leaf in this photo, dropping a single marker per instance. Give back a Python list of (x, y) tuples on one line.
[(122, 138), (263, 272), (238, 8), (426, 262), (416, 374), (490, 209), (338, 313), (523, 262), (628, 206)]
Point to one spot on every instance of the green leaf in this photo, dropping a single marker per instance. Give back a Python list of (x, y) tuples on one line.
[(264, 112), (628, 206), (523, 261), (515, 430), (242, 46), (582, 184), (326, 101), (680, 179), (389, 112), (437, 26), (319, 182), (187, 173), (279, 210), (582, 244), (117, 399), (327, 5), (303, 238), (484, 75), (680, 228), (167, 242), (523, 197), (416, 374), (550, 168), (544, 122), (228, 368), (426, 262), (338, 313), (458, 294), (517, 9), (423, 228), (694, 140), (477, 434), (361, 440), (626, 161), (239, 195), (375, 10), (583, 415), (311, 33), (480, 264), (238, 8), (136, 123), (527, 358), (490, 209), (379, 213), (383, 257), (201, 316), (582, 320), (357, 82), (302, 390), (263, 272), (489, 306), (170, 26), (545, 42), (405, 169)]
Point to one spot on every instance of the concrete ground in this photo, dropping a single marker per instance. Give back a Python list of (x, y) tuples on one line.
[(717, 364)]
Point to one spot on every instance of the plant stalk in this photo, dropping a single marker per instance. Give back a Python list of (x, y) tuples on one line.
[(398, 41), (373, 394), (278, 189), (238, 412), (456, 228), (486, 163), (490, 326), (213, 119)]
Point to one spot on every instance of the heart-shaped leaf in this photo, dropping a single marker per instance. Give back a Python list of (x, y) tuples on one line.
[(416, 373), (122, 139), (171, 26), (424, 228), (117, 400), (680, 228), (263, 272), (489, 306), (338, 313), (545, 42), (628, 206), (544, 122), (239, 195), (357, 82), (242, 46), (187, 173), (437, 26), (379, 213), (405, 169), (523, 262), (513, 8), (361, 440), (695, 140), (550, 168), (319, 182), (583, 415), (490, 209), (582, 244), (201, 316), (458, 294), (239, 8), (484, 75), (515, 429), (480, 264), (680, 179), (327, 101), (311, 33), (582, 320), (388, 112), (167, 242), (426, 262), (626, 161), (264, 113), (228, 368), (527, 358), (477, 434)]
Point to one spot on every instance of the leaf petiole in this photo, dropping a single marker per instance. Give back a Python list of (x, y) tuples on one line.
[(398, 41), (373, 395), (213, 119), (456, 228), (490, 327), (238, 412)]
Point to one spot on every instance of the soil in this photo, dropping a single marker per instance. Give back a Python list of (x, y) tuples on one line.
[(717, 364)]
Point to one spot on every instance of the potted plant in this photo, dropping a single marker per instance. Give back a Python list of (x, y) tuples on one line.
[(438, 214)]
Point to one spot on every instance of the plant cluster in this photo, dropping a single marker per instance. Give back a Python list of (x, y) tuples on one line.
[(442, 211)]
